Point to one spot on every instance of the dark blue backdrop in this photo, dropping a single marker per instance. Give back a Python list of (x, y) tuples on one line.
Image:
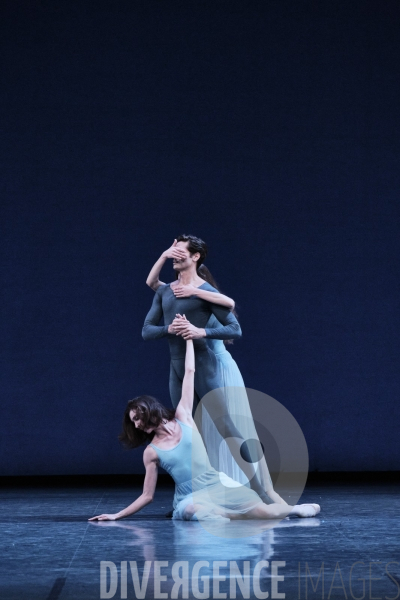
[(270, 129)]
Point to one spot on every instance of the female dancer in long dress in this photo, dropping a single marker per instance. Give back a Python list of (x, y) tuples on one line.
[(175, 444), (237, 402), (208, 378)]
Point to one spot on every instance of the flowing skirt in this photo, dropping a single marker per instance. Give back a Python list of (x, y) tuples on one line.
[(238, 408), (212, 495)]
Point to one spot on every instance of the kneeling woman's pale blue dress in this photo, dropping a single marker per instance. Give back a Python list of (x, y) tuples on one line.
[(201, 492)]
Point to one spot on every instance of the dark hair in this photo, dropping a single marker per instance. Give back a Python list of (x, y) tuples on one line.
[(195, 244), (152, 414)]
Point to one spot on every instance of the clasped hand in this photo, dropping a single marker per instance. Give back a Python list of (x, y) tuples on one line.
[(181, 326)]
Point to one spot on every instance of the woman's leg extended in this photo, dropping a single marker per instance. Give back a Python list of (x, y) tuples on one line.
[(280, 511)]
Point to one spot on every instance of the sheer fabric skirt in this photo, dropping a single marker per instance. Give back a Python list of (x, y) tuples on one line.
[(238, 407), (212, 495)]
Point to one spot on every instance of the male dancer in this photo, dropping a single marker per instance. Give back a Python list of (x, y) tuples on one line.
[(177, 330)]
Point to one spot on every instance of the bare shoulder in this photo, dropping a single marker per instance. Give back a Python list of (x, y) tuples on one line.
[(185, 417), (150, 455)]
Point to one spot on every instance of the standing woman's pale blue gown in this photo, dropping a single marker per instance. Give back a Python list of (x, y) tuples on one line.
[(238, 408)]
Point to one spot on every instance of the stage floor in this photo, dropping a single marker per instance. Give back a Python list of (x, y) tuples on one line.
[(50, 550)]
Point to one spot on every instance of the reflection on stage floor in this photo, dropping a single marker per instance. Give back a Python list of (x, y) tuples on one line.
[(50, 550)]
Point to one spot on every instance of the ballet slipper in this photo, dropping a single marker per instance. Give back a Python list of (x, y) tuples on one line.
[(305, 510)]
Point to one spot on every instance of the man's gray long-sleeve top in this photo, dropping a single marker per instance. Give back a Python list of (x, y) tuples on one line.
[(197, 311)]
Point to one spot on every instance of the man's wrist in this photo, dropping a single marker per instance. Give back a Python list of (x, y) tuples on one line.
[(203, 333)]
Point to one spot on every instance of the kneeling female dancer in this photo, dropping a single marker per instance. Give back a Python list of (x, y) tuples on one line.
[(176, 445)]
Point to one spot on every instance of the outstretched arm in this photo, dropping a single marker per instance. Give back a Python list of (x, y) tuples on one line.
[(149, 486), (183, 291), (185, 406), (153, 280)]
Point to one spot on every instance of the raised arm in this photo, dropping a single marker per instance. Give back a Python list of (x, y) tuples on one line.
[(185, 406), (150, 481), (183, 291), (153, 280)]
